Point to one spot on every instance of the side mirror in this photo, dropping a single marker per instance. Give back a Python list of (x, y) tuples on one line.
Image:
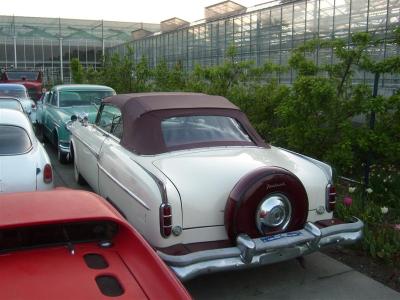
[(74, 118)]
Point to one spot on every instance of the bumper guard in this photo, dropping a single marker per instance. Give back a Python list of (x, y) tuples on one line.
[(250, 252)]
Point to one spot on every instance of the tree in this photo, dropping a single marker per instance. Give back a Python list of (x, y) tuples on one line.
[(77, 72)]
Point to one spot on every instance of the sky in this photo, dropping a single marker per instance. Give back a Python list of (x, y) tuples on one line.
[(152, 11)]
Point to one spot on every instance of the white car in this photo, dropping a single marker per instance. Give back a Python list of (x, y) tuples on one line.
[(24, 163), (20, 92), (11, 103), (191, 174)]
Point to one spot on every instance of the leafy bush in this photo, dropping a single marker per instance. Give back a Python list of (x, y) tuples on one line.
[(381, 224)]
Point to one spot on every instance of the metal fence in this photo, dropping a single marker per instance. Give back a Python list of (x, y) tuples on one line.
[(269, 32)]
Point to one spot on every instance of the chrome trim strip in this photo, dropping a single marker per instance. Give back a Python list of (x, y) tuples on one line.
[(125, 189), (160, 184), (63, 148), (107, 134), (102, 131)]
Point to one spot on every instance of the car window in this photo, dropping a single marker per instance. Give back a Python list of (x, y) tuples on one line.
[(185, 130), (110, 120), (13, 140), (53, 98), (45, 98), (25, 75), (11, 103), (82, 97), (15, 91)]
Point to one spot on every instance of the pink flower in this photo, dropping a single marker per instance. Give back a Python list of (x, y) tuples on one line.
[(347, 201), (397, 226)]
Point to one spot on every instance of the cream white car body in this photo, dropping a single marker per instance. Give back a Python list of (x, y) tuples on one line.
[(21, 172), (196, 183)]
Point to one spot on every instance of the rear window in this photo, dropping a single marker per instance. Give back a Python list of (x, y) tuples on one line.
[(17, 92), (22, 75), (178, 131), (13, 140), (11, 104)]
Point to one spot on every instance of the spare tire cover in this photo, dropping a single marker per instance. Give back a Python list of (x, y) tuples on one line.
[(252, 189)]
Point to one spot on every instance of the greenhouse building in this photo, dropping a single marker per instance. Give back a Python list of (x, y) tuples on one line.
[(265, 32), (48, 44)]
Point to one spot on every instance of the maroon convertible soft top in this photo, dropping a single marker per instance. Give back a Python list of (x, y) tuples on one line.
[(142, 114)]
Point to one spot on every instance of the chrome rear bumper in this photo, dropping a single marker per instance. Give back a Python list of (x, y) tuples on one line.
[(263, 251)]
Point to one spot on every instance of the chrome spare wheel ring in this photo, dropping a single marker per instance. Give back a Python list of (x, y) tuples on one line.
[(273, 213)]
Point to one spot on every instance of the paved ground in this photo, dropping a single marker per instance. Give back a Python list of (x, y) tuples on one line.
[(319, 277)]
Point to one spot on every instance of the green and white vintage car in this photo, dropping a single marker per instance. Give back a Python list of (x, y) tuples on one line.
[(61, 103)]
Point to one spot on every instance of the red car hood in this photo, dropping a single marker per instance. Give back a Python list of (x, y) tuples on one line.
[(50, 229)]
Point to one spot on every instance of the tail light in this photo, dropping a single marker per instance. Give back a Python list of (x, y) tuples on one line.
[(330, 197), (165, 220), (47, 173)]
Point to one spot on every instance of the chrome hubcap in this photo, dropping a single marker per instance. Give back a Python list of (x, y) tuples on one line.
[(273, 213)]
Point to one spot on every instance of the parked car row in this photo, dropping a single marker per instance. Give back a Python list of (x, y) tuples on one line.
[(193, 177), (60, 243)]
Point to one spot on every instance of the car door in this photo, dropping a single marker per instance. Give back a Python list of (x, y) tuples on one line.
[(48, 114), (121, 180), (91, 139)]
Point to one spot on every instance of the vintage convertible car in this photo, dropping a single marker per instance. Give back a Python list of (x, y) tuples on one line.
[(60, 104), (197, 181), (24, 163), (66, 244), (20, 92)]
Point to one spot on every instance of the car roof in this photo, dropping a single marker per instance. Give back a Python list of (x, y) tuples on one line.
[(16, 118), (14, 86), (145, 102), (82, 87), (143, 113)]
